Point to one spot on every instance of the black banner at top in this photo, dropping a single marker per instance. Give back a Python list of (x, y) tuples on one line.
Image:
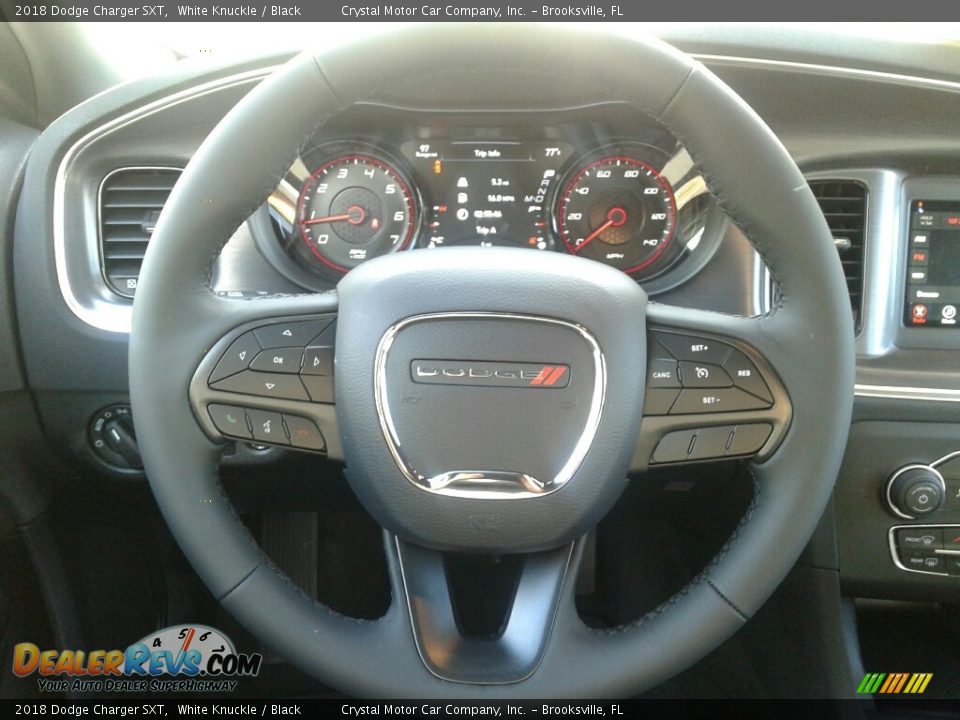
[(482, 11)]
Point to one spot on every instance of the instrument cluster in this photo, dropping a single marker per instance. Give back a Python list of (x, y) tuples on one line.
[(638, 204)]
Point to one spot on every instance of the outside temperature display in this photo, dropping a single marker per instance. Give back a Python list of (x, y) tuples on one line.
[(486, 193)]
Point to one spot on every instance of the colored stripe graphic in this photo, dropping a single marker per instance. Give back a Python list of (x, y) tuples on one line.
[(555, 375), (894, 683)]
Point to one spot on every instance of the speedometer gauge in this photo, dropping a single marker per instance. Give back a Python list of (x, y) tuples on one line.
[(618, 210), (353, 208)]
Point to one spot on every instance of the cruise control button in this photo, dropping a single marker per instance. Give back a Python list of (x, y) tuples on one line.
[(748, 439), (320, 387), (746, 376), (925, 562), (662, 374), (659, 401), (238, 357), (715, 401), (272, 385), (318, 361), (291, 334), (281, 360), (304, 433), (230, 420), (694, 349), (921, 538), (267, 426), (703, 375)]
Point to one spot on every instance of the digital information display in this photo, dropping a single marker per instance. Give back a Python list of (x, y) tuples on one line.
[(487, 193), (933, 264)]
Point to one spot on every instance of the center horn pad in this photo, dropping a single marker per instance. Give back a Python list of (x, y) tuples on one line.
[(489, 405), (489, 399)]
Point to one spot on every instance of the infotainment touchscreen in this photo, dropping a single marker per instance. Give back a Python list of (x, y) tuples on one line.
[(933, 264)]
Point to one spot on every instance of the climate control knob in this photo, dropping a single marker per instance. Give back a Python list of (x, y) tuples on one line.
[(915, 490)]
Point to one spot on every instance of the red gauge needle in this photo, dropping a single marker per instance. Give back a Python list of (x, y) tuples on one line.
[(616, 216), (354, 215)]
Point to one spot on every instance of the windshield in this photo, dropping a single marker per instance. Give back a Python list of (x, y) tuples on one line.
[(137, 49)]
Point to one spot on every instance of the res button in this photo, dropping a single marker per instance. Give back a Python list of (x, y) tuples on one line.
[(746, 376)]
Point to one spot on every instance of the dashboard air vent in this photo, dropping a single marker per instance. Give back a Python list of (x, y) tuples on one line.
[(130, 203), (844, 205)]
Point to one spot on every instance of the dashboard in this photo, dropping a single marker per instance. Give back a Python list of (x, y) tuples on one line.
[(590, 178)]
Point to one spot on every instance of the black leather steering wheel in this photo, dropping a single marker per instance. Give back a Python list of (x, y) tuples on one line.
[(490, 305)]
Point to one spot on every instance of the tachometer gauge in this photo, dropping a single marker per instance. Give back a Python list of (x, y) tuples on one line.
[(353, 208), (618, 210)]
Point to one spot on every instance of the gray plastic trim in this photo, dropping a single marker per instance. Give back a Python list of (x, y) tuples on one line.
[(85, 292), (829, 70)]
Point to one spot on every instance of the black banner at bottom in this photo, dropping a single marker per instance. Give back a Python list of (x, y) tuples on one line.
[(674, 709)]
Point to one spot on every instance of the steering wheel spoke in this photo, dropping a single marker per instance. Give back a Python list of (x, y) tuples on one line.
[(711, 393), (481, 619), (268, 380)]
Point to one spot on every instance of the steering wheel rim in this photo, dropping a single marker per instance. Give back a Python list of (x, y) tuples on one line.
[(177, 319)]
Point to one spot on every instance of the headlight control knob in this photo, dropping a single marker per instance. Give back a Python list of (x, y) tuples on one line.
[(915, 490)]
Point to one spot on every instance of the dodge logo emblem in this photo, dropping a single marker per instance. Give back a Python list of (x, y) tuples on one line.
[(490, 374)]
